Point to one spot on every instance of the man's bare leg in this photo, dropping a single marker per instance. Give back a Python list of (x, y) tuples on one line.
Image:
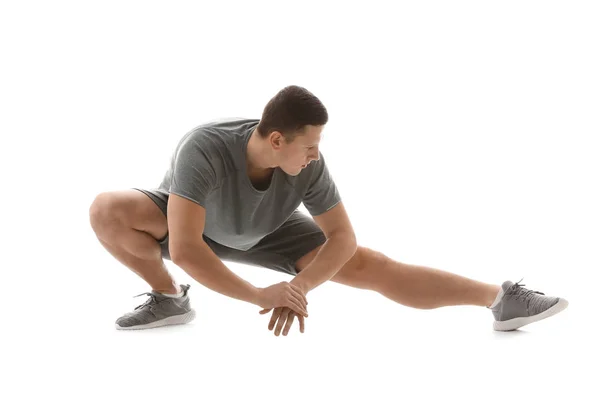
[(411, 285), (137, 250), (426, 288)]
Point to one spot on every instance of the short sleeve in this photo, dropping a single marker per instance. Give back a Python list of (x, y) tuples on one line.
[(322, 193), (194, 176)]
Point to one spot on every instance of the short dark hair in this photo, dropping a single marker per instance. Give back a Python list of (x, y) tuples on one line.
[(289, 111)]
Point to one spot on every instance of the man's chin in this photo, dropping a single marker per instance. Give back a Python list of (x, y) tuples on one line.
[(294, 171)]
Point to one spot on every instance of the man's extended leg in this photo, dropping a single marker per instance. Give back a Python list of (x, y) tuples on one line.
[(512, 305), (410, 285)]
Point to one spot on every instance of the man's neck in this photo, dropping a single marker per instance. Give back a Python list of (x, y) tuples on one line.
[(256, 156)]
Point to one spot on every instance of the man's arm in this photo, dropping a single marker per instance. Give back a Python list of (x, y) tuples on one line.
[(202, 264), (335, 252), (189, 251)]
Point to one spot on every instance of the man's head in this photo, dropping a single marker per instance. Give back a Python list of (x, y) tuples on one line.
[(291, 123)]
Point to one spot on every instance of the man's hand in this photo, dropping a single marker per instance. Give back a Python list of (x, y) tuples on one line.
[(283, 314), (283, 294)]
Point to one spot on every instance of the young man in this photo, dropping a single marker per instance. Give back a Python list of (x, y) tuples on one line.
[(231, 193)]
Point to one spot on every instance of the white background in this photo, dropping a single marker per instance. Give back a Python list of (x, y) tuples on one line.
[(462, 136)]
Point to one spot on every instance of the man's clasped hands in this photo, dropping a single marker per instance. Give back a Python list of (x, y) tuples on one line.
[(287, 301)]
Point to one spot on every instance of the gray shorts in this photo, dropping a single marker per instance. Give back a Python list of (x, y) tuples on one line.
[(278, 251)]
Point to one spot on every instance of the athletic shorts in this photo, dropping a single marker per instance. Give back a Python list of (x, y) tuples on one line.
[(278, 250)]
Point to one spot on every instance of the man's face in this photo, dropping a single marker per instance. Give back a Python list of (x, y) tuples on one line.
[(294, 157)]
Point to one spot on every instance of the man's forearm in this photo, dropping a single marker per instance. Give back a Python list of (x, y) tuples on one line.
[(202, 264), (335, 252)]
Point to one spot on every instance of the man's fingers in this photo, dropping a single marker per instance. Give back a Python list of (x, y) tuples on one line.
[(289, 323), (299, 291), (295, 305), (301, 299), (264, 311), (283, 316), (274, 317), (282, 319)]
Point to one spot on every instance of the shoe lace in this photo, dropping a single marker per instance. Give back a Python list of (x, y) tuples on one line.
[(520, 292), (149, 302)]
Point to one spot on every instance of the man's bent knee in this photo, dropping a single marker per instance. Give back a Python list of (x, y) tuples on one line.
[(105, 215)]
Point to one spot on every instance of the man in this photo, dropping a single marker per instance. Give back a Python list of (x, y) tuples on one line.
[(231, 193)]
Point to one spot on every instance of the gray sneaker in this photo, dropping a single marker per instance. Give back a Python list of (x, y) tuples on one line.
[(158, 310), (519, 306)]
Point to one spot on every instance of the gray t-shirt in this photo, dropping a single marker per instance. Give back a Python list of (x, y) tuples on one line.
[(208, 167)]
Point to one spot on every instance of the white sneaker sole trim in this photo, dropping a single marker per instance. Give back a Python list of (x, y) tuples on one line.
[(172, 320), (516, 323)]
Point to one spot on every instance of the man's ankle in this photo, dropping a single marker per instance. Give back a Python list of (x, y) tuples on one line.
[(494, 296), (173, 290)]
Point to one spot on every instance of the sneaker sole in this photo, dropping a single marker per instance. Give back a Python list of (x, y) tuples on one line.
[(172, 320), (515, 323)]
